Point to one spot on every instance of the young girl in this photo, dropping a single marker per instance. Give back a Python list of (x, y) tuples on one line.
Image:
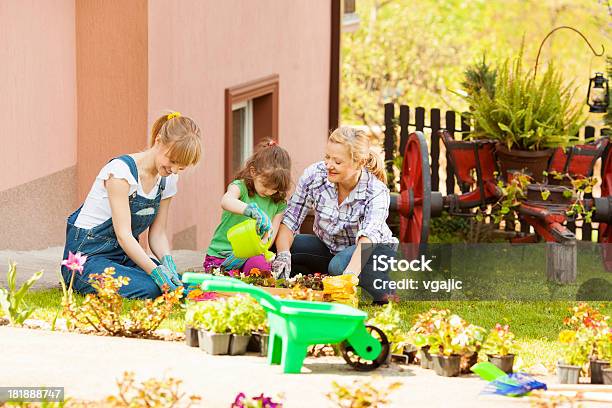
[(258, 191), (131, 194)]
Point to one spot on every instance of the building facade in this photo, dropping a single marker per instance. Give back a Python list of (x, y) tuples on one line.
[(83, 80)]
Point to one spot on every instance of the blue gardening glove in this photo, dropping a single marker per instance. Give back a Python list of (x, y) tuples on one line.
[(162, 276), (261, 218), (281, 267), (168, 262), (231, 262)]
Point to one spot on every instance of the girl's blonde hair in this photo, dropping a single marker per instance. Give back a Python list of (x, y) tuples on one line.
[(273, 164), (182, 135), (360, 150)]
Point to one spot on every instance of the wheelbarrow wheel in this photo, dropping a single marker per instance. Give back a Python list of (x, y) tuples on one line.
[(361, 364)]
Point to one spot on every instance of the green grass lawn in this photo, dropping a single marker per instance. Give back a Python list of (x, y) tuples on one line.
[(536, 324)]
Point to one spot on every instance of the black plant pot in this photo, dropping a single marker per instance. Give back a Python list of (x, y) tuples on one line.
[(597, 367), (425, 357), (447, 366), (504, 363), (191, 336), (259, 343)]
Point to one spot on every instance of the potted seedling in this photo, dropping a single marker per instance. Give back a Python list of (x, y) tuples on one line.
[(593, 327), (576, 347), (499, 346), (191, 332), (476, 336), (241, 322), (422, 334), (388, 320), (211, 319), (601, 366), (448, 342)]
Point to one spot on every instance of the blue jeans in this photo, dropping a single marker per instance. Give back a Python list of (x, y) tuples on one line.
[(309, 255)]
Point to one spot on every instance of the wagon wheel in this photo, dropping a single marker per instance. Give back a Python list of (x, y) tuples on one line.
[(361, 364), (415, 186)]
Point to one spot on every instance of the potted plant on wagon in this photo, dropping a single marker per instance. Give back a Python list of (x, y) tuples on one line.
[(526, 115), (499, 347), (211, 319)]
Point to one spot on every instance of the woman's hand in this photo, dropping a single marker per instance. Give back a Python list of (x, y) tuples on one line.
[(162, 276), (281, 267)]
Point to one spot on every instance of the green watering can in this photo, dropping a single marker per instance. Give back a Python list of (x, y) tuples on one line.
[(246, 242)]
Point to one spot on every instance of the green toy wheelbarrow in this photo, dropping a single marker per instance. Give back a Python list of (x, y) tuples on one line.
[(296, 324)]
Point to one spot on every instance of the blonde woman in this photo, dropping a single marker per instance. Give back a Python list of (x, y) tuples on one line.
[(132, 193), (350, 199)]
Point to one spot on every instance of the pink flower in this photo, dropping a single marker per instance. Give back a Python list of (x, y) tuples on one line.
[(75, 262)]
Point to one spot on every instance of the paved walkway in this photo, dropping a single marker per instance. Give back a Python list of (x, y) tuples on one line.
[(48, 260), (87, 366)]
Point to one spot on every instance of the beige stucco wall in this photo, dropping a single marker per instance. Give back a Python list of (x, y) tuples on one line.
[(197, 49), (38, 116)]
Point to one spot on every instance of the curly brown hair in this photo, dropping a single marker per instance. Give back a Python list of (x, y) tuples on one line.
[(273, 164)]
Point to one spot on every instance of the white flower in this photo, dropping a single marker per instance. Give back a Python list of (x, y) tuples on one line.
[(461, 339), (455, 321)]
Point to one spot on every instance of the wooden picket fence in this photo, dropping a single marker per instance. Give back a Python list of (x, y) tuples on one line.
[(397, 130)]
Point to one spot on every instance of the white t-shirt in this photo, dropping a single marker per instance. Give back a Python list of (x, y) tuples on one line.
[(96, 208)]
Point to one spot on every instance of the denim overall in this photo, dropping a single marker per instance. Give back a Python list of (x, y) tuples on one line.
[(103, 250)]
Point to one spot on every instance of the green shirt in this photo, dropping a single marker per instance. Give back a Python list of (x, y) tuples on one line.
[(219, 242)]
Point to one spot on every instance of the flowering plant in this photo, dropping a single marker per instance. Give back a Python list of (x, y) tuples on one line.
[(242, 401), (500, 341), (577, 344), (447, 334), (103, 311), (603, 344), (584, 315)]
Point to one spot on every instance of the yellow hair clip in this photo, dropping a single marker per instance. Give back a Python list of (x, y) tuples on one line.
[(174, 115)]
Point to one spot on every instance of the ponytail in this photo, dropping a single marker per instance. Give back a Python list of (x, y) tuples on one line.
[(360, 150), (181, 135), (157, 126), (375, 165)]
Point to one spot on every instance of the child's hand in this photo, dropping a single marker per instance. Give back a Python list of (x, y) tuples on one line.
[(267, 236), (263, 221)]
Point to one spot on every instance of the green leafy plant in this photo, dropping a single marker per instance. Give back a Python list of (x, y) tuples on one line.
[(361, 394), (511, 193), (210, 315), (479, 77), (525, 112), (103, 311), (389, 321), (500, 341), (12, 300), (245, 315)]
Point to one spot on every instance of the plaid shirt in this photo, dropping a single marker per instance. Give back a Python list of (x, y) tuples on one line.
[(362, 214)]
